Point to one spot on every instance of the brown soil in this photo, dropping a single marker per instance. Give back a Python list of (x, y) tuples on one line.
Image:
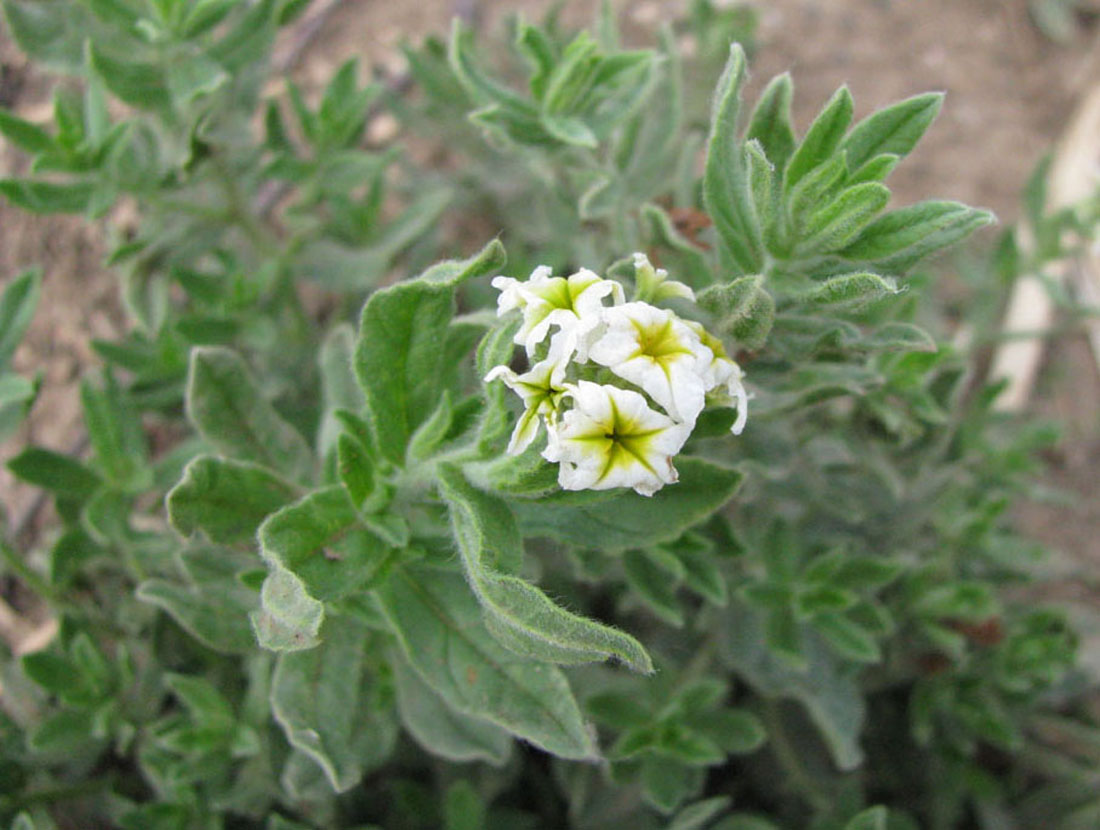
[(1010, 91)]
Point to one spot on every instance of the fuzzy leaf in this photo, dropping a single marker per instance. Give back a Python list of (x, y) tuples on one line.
[(823, 137), (895, 129), (288, 619), (438, 624), (529, 621), (322, 700), (627, 520), (441, 730), (398, 359), (840, 221), (896, 241), (212, 605), (741, 309), (725, 180), (225, 499), (226, 404), (771, 121), (322, 542)]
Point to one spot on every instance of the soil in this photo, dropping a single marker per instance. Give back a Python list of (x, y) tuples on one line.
[(1009, 90)]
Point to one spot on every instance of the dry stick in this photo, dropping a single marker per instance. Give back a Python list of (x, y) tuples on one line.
[(1030, 312)]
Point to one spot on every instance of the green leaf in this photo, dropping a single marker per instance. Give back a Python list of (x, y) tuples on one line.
[(355, 468), (895, 129), (851, 289), (896, 241), (737, 731), (441, 730), (741, 309), (48, 197), (432, 432), (227, 406), (840, 221), (62, 475), (667, 784), (831, 697), (17, 305), (193, 77), (289, 619), (653, 586), (23, 134), (726, 190), (398, 359), (463, 808), (518, 613), (701, 571), (141, 85), (207, 706), (438, 624), (770, 123), (321, 540), (116, 435), (322, 699), (823, 137), (225, 499), (339, 388), (848, 638), (627, 520), (50, 32), (900, 337), (211, 605), (618, 710)]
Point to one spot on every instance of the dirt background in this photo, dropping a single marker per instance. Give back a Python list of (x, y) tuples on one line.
[(1010, 92)]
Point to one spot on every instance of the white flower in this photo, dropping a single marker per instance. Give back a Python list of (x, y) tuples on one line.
[(654, 349), (541, 389), (653, 285), (572, 303), (723, 371), (611, 438)]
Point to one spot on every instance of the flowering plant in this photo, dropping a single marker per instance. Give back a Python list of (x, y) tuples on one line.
[(606, 435), (355, 583)]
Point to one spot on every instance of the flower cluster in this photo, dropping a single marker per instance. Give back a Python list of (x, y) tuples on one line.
[(618, 385)]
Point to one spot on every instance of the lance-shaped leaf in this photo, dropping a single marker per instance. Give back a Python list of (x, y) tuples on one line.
[(627, 520), (840, 221), (895, 129), (823, 137), (48, 197), (322, 698), (439, 626), (896, 241), (770, 123), (225, 499), (226, 404), (338, 385), (441, 730), (726, 189), (321, 540), (851, 289), (399, 358), (17, 305), (526, 620)]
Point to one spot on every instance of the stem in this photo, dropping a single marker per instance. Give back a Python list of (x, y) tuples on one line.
[(790, 759)]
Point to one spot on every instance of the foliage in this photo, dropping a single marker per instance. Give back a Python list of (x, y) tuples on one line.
[(334, 599)]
